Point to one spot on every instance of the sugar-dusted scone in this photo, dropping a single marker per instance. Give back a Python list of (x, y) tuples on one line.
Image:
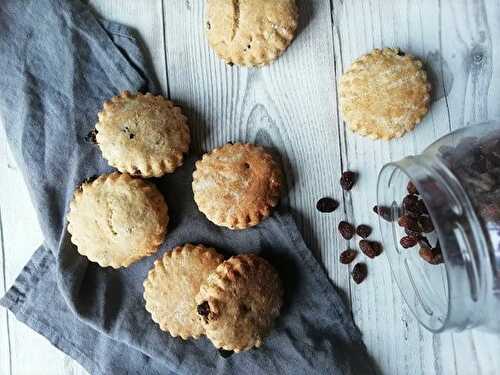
[(172, 285), (251, 32), (117, 219), (237, 185), (142, 134), (384, 94), (239, 302)]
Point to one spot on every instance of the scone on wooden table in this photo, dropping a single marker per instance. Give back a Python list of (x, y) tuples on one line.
[(239, 302), (251, 32), (117, 219), (237, 185), (172, 285), (384, 94), (142, 134)]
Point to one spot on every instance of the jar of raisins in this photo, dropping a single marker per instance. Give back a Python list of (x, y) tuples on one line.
[(440, 222)]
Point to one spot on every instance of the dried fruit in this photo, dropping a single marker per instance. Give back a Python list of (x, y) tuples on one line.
[(225, 353), (346, 230), (410, 223), (363, 230), (411, 188), (348, 256), (371, 249), (409, 232), (408, 241), (327, 205), (359, 273), (426, 254), (347, 180), (410, 204), (383, 212), (425, 224)]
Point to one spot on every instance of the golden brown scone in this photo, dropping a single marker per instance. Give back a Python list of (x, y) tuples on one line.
[(143, 135), (237, 185), (171, 287), (251, 32), (117, 219), (384, 94), (239, 302)]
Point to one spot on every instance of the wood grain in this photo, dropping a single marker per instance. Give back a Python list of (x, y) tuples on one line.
[(291, 107)]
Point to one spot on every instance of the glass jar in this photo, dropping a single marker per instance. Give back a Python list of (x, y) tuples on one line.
[(450, 278)]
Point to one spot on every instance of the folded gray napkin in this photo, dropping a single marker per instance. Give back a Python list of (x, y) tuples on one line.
[(59, 63)]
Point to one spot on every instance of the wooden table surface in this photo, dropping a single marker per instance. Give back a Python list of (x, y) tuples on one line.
[(293, 106)]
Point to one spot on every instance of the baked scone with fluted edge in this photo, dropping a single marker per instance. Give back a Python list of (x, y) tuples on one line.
[(239, 302), (237, 185), (384, 94), (172, 285), (142, 134), (251, 32), (117, 219)]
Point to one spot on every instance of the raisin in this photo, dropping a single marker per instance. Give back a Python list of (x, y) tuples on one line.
[(412, 233), (225, 353), (363, 231), (383, 212), (426, 254), (408, 241), (359, 273), (348, 256), (411, 188), (203, 309), (347, 180), (426, 224), (410, 204), (408, 222), (422, 208), (346, 230), (91, 137), (370, 248), (327, 205)]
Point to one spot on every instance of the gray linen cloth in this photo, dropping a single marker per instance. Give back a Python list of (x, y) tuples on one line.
[(58, 64)]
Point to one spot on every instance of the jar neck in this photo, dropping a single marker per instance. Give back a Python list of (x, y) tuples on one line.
[(461, 236)]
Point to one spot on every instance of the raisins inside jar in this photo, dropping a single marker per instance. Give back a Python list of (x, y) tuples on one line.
[(444, 244)]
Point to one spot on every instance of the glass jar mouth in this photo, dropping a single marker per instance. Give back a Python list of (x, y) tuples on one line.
[(424, 287)]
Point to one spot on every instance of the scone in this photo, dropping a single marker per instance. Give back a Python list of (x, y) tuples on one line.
[(239, 302), (384, 94), (237, 185), (171, 287), (251, 32), (143, 135), (117, 219)]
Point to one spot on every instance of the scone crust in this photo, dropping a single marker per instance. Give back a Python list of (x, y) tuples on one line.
[(244, 295), (142, 134), (384, 94), (117, 219), (250, 32), (172, 285), (237, 185)]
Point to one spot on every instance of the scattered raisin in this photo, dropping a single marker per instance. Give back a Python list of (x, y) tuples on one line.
[(412, 233), (225, 353), (383, 212), (426, 254), (346, 230), (410, 204), (327, 205), (347, 180), (408, 241), (408, 222), (348, 256), (370, 248), (359, 273), (363, 231), (411, 188)]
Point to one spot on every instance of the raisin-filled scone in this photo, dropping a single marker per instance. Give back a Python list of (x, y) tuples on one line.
[(172, 285), (384, 94), (117, 219), (239, 302), (142, 134), (251, 32), (237, 185)]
